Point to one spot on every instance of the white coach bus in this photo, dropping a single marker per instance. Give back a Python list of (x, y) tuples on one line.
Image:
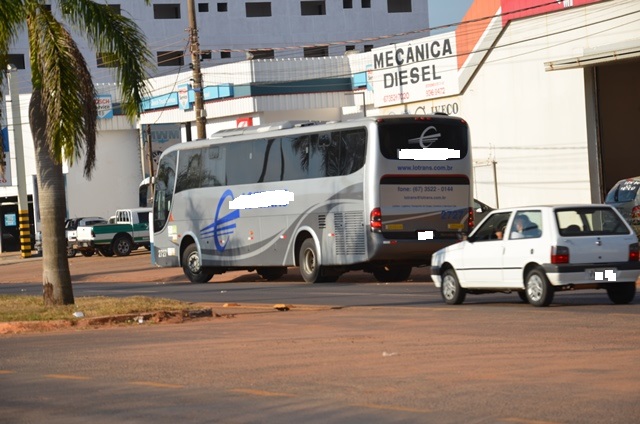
[(374, 194)]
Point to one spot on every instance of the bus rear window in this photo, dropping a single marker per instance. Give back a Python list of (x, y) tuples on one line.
[(411, 134)]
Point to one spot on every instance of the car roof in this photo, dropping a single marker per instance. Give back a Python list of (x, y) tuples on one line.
[(561, 206)]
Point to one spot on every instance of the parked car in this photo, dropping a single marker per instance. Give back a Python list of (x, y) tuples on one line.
[(625, 197), (70, 226), (480, 210), (129, 232), (538, 250)]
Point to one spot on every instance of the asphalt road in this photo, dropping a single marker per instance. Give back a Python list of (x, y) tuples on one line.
[(403, 356)]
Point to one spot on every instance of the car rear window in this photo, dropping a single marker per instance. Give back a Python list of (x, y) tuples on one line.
[(624, 191), (576, 222)]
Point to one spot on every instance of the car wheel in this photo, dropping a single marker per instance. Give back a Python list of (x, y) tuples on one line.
[(71, 253), (392, 273), (272, 273), (452, 292), (621, 293), (192, 266), (87, 253), (538, 289), (122, 246)]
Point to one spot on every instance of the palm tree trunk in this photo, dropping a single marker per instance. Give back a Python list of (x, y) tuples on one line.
[(56, 278)]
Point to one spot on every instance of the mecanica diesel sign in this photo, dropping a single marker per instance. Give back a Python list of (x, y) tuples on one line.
[(417, 70)]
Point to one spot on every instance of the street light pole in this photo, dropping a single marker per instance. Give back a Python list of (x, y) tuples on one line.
[(201, 117), (23, 201)]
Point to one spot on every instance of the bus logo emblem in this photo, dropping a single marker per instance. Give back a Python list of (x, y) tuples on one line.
[(429, 138), (222, 226)]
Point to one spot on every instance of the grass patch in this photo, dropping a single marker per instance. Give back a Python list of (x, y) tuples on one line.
[(31, 308)]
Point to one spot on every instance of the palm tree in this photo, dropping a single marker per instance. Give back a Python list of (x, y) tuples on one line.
[(62, 110)]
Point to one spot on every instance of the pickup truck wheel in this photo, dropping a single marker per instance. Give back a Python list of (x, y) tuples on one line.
[(87, 253), (105, 251), (192, 266), (122, 246), (621, 293), (452, 292), (71, 252), (538, 288)]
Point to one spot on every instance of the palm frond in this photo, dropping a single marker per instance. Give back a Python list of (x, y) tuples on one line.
[(68, 94), (122, 40)]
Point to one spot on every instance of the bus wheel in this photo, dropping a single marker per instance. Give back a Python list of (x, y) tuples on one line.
[(392, 273), (272, 273), (308, 259), (192, 266)]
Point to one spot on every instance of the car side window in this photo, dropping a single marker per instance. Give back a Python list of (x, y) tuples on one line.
[(526, 224), (492, 228)]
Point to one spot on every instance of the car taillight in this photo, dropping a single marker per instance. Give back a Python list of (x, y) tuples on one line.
[(375, 220), (634, 252), (471, 220), (559, 255)]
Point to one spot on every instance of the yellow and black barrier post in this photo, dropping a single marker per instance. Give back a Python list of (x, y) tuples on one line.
[(25, 233)]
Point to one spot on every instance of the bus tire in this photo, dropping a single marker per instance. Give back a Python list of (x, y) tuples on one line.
[(272, 273), (308, 259), (392, 273), (192, 266)]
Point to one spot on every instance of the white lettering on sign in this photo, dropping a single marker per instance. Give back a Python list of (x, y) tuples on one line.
[(417, 70)]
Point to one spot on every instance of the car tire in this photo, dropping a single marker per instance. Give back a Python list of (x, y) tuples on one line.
[(192, 266), (71, 253), (621, 293), (522, 294), (87, 253), (450, 289), (122, 246), (392, 273), (538, 289)]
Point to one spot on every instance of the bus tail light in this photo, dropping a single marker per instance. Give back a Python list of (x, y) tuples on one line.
[(471, 221), (375, 220), (559, 255), (634, 252)]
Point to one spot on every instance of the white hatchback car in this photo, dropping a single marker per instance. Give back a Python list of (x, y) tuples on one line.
[(538, 250)]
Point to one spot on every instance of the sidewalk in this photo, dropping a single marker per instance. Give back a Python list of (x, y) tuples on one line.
[(8, 258)]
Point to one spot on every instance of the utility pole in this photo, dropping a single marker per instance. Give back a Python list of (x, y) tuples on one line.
[(201, 117), (23, 202)]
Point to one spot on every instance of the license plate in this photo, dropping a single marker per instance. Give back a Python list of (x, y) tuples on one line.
[(601, 274)]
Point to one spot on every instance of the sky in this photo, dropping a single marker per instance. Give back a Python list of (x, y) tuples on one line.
[(442, 12)]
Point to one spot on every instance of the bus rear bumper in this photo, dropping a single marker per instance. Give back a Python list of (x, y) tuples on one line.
[(416, 252)]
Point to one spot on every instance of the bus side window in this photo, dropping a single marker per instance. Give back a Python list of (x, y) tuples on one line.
[(295, 155)]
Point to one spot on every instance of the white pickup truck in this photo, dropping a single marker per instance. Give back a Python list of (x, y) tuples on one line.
[(129, 231)]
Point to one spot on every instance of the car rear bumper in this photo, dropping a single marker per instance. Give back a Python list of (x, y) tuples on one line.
[(599, 274)]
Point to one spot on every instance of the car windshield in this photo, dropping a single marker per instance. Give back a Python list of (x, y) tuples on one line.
[(624, 191), (591, 221)]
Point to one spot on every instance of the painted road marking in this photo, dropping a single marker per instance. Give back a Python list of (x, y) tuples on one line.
[(261, 393), (158, 385), (392, 408), (67, 377)]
